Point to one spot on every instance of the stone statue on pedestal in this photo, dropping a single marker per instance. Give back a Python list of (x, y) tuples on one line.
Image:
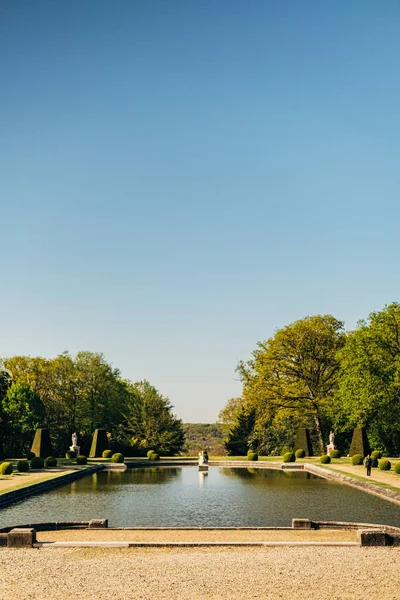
[(331, 445), (75, 447)]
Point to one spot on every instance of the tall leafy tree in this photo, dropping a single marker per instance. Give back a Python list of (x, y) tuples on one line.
[(296, 370), (24, 412), (237, 441), (369, 388)]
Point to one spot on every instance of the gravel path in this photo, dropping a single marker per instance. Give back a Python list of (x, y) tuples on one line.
[(201, 574)]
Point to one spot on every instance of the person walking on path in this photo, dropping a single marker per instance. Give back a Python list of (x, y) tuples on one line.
[(368, 465)]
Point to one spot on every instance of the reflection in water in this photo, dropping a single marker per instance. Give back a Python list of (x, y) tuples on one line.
[(171, 497)]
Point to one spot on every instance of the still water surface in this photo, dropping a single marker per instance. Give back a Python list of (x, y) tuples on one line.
[(181, 496)]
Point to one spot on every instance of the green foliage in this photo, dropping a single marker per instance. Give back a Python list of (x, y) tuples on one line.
[(357, 459), (203, 435), (154, 456), (295, 372), (300, 453), (376, 454), (385, 465), (149, 453), (22, 412), (303, 441), (325, 459), (335, 454), (236, 443), (50, 462), (107, 454), (289, 457), (397, 468), (228, 416), (81, 459), (359, 443), (6, 468), (117, 458), (369, 390), (70, 454), (23, 466), (252, 456), (37, 463), (30, 455)]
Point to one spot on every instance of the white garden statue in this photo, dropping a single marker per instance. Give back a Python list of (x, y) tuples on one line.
[(75, 447), (331, 445)]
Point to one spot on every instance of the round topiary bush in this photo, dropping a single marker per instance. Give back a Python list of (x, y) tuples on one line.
[(300, 453), (81, 460), (289, 457), (397, 468), (374, 462), (252, 456), (49, 462), (23, 466), (376, 454), (325, 459), (30, 455), (107, 454), (37, 463), (150, 452), (385, 465), (117, 458), (6, 468), (70, 454), (154, 456), (335, 454), (357, 459)]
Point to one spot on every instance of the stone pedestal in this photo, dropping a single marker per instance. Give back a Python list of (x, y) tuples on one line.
[(75, 449), (329, 448)]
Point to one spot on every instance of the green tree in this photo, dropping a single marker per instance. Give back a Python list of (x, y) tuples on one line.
[(369, 387), (237, 442), (228, 415), (151, 422), (296, 370), (23, 411)]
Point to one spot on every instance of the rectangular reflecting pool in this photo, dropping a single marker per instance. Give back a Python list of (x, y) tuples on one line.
[(183, 496)]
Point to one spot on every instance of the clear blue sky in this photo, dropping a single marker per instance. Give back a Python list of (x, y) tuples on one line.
[(180, 178)]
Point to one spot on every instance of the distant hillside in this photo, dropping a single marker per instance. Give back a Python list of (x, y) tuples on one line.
[(203, 436)]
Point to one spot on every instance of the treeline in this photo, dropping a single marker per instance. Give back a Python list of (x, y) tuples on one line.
[(314, 374), (203, 436), (82, 393)]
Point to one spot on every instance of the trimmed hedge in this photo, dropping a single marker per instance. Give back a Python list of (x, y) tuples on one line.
[(397, 468), (49, 462), (23, 466), (385, 465), (70, 454), (6, 468), (117, 458), (81, 460), (325, 459), (359, 442), (335, 454), (252, 456), (41, 444), (376, 454), (154, 456), (289, 457), (303, 441), (107, 454), (357, 459), (37, 463), (150, 452), (30, 455), (300, 453)]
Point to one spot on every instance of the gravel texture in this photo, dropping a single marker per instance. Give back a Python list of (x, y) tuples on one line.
[(197, 574)]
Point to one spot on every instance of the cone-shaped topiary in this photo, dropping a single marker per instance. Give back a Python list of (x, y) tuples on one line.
[(49, 462), (81, 460), (107, 454), (23, 466), (360, 443), (325, 459), (357, 459), (252, 456), (37, 463), (41, 444), (117, 458), (289, 457), (385, 465), (99, 443), (6, 468), (300, 453), (303, 441)]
